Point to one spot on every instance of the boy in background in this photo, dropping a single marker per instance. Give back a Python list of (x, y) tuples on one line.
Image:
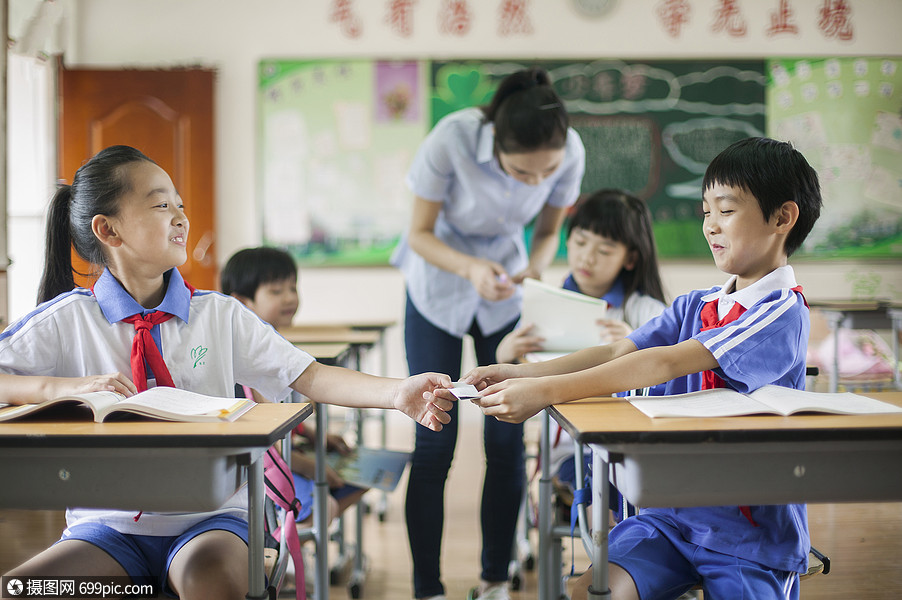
[(760, 200), (266, 281)]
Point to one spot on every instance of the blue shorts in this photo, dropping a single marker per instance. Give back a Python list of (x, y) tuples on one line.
[(664, 565), (303, 491), (146, 558)]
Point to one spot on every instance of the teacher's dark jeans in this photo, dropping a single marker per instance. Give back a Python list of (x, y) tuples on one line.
[(432, 349)]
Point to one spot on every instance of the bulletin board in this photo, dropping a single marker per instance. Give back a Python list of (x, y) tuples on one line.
[(845, 116), (335, 138)]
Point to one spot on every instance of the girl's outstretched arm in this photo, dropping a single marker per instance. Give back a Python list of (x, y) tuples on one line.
[(34, 389), (414, 396), (515, 400)]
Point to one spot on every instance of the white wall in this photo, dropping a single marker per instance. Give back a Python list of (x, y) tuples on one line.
[(234, 36)]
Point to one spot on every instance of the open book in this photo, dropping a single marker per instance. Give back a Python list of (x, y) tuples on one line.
[(770, 399), (371, 467), (165, 403), (566, 319)]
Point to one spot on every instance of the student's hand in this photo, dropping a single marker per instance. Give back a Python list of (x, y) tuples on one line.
[(302, 464), (530, 272), (515, 400), (333, 478), (336, 443), (111, 382), (517, 343), (482, 377), (490, 280), (416, 397), (612, 330)]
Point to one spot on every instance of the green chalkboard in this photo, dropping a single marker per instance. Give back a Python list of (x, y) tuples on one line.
[(650, 127)]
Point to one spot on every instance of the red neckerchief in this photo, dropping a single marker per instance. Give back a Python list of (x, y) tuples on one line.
[(144, 348)]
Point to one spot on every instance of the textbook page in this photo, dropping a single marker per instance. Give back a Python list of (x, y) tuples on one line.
[(770, 399), (171, 404), (544, 355), (720, 402), (566, 319), (788, 401), (181, 405), (371, 467)]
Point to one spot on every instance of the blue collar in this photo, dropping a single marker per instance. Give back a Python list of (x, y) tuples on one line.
[(118, 304), (614, 297)]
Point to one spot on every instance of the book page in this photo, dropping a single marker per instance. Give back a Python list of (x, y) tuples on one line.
[(371, 467), (97, 401), (542, 356), (564, 318), (178, 402), (12, 411), (720, 402), (789, 401)]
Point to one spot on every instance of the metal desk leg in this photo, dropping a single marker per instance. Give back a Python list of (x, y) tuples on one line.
[(834, 322), (599, 590), (321, 508), (256, 578), (382, 509), (358, 574), (896, 316), (549, 574)]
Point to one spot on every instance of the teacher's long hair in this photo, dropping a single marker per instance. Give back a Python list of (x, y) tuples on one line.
[(527, 113)]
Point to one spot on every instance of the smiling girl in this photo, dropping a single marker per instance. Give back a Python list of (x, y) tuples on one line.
[(122, 212)]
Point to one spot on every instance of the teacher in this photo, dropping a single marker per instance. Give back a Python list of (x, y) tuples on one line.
[(480, 176)]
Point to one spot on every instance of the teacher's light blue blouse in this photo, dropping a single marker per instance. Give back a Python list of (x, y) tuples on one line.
[(484, 211)]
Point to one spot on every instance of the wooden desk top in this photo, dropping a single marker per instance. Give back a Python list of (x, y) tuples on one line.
[(306, 335), (846, 305), (377, 324), (261, 426), (329, 353), (616, 421)]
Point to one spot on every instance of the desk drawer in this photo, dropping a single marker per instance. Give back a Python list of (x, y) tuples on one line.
[(168, 479)]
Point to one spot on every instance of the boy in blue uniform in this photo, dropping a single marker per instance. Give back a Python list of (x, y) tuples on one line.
[(761, 199)]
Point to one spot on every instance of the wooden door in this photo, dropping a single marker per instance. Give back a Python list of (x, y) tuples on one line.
[(168, 115)]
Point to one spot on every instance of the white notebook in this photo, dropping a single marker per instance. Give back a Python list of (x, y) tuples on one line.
[(566, 319)]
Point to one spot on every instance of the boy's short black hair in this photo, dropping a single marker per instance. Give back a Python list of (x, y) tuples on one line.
[(774, 173), (250, 268)]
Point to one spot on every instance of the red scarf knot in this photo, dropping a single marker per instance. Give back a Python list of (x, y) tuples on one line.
[(145, 349)]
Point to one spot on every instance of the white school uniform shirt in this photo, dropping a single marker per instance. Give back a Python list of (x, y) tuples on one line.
[(212, 342), (484, 211)]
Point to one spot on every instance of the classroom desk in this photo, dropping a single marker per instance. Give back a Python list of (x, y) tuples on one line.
[(49, 464), (739, 460), (328, 353), (861, 314)]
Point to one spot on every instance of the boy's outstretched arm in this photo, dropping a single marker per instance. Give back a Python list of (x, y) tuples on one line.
[(515, 400), (413, 396), (571, 363)]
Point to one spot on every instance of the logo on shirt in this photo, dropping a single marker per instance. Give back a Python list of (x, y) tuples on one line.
[(197, 355)]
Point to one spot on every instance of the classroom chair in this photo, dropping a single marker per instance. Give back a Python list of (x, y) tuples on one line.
[(522, 557)]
